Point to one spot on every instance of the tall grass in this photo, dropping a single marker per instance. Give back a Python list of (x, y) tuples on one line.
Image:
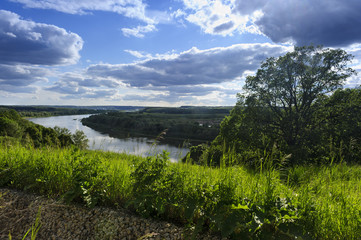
[(309, 202)]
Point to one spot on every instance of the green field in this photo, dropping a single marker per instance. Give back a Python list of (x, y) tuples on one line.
[(308, 202)]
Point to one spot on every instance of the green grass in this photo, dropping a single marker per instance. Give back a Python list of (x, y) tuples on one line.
[(309, 202)]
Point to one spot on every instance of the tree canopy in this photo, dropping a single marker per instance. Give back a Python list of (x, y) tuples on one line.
[(287, 105), (288, 86)]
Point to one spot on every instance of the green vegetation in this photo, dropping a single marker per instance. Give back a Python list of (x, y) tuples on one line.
[(196, 124), (14, 128), (291, 106), (47, 111), (312, 202)]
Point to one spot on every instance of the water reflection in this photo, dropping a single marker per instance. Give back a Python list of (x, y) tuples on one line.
[(99, 141)]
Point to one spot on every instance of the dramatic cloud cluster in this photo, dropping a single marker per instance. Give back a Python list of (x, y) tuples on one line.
[(25, 45), (169, 78), (183, 77), (326, 22), (24, 41), (191, 67)]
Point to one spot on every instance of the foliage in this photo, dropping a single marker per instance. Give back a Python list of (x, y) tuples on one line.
[(86, 176), (339, 126), (14, 126), (291, 104), (195, 153), (147, 185), (268, 202), (289, 85), (80, 140)]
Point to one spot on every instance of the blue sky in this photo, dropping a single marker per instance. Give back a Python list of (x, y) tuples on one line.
[(157, 53)]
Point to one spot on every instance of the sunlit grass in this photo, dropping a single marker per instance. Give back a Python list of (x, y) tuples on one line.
[(306, 201)]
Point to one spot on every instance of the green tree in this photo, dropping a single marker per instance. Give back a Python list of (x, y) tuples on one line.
[(9, 128), (35, 134), (80, 140), (290, 84), (339, 121), (64, 136), (279, 102), (62, 131)]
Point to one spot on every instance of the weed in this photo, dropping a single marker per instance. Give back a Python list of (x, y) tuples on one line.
[(275, 201)]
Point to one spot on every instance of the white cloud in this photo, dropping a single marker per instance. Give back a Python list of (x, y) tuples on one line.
[(220, 17), (178, 13), (192, 67), (28, 42), (75, 86), (138, 54), (190, 77), (355, 50), (138, 31), (26, 47), (129, 8), (18, 78)]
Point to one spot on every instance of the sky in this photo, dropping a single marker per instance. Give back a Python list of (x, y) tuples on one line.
[(158, 53)]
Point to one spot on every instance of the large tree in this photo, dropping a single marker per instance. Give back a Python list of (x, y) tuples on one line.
[(278, 104), (289, 86)]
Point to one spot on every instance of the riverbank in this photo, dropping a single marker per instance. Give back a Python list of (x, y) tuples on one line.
[(18, 211), (98, 141)]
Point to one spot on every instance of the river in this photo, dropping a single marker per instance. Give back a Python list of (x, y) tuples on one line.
[(98, 141)]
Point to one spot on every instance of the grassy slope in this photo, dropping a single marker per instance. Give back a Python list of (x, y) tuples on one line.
[(309, 202)]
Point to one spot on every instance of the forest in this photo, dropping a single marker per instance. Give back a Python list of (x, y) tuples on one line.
[(177, 125), (284, 162)]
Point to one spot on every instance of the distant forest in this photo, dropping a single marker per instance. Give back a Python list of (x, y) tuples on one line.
[(47, 111), (176, 125)]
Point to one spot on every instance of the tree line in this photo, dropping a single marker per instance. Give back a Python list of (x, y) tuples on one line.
[(47, 111)]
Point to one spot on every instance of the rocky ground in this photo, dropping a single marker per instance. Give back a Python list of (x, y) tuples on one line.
[(18, 212)]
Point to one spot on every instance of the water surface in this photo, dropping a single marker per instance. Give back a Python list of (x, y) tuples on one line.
[(98, 141)]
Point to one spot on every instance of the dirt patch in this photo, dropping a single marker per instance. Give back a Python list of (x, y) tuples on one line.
[(18, 211)]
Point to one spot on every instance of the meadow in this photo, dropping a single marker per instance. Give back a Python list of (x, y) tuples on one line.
[(267, 202)]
